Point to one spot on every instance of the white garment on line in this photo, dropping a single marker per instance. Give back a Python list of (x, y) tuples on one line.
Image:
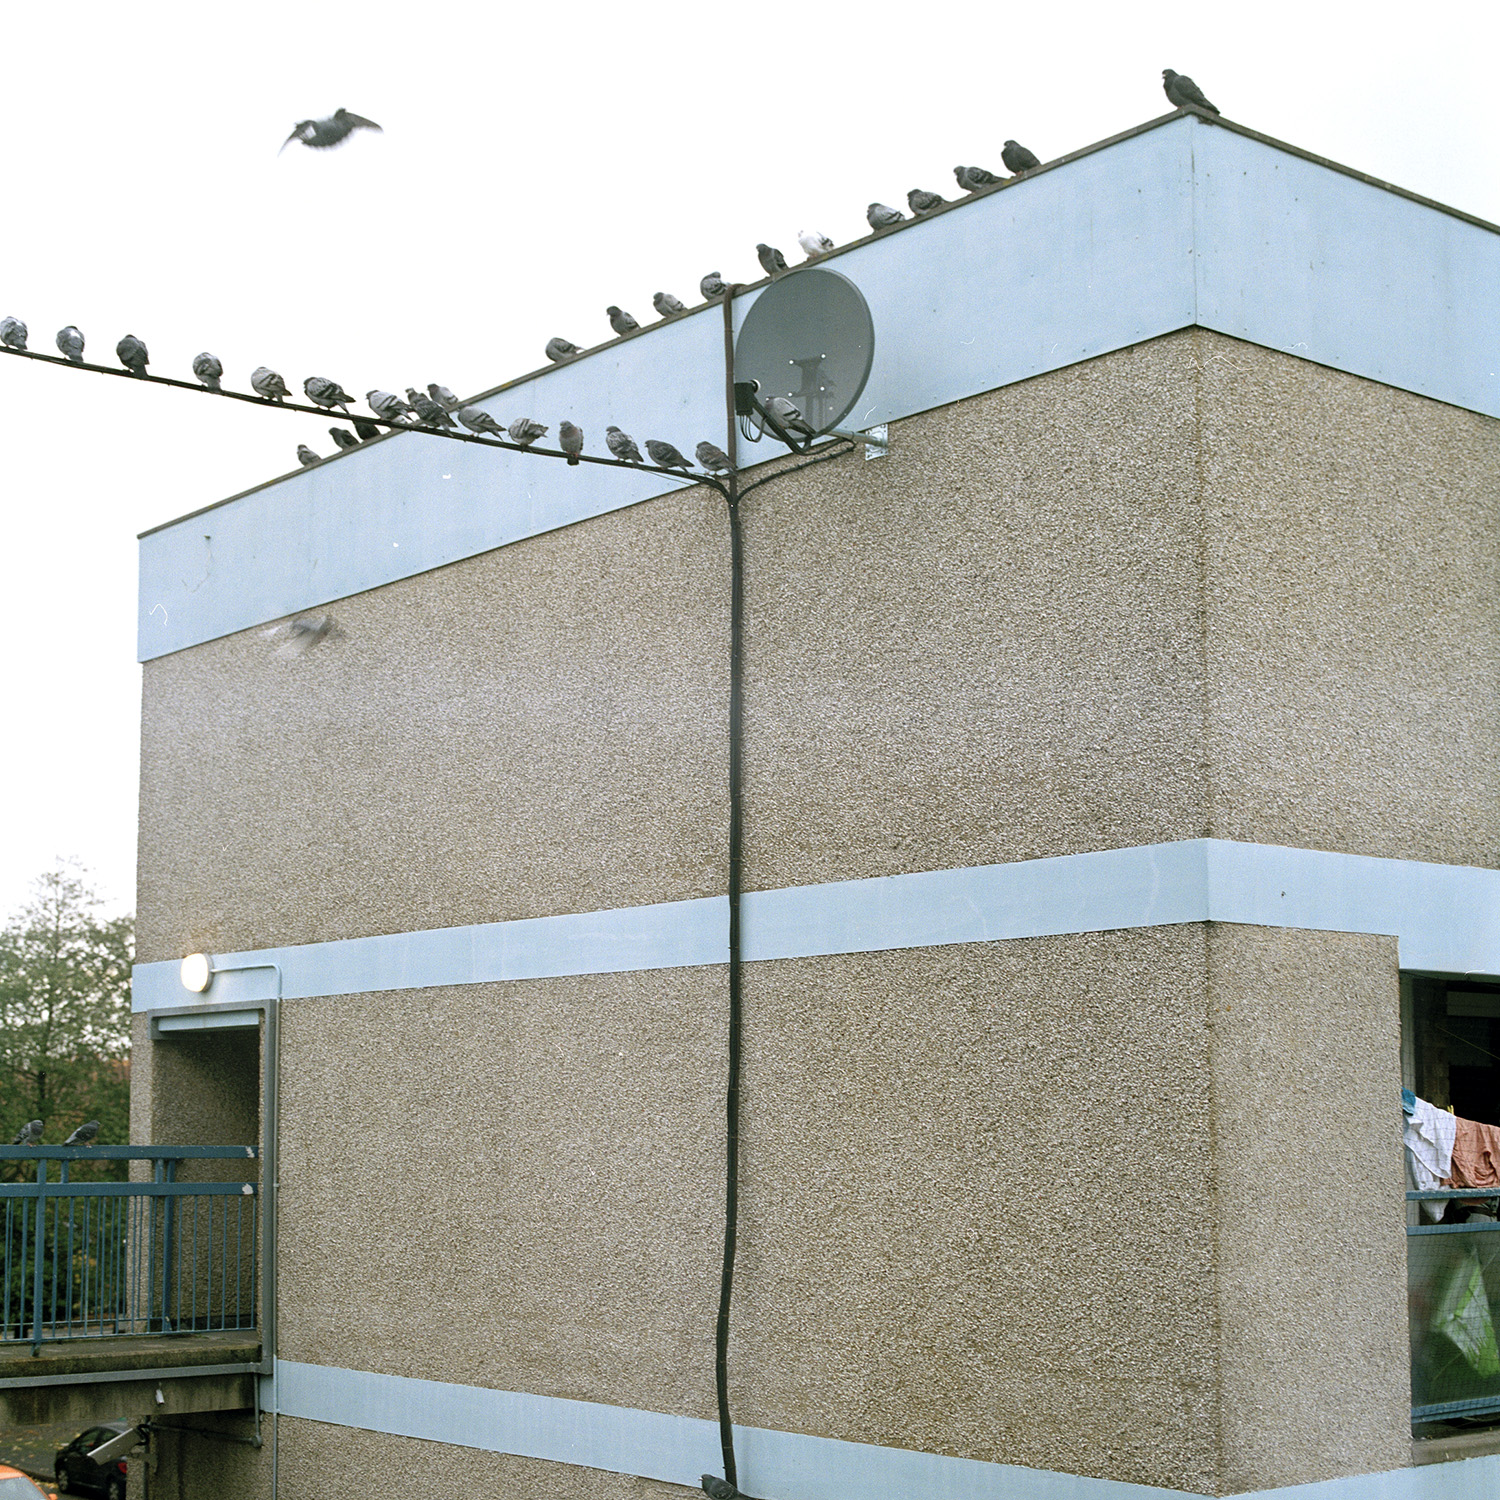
[(1429, 1152)]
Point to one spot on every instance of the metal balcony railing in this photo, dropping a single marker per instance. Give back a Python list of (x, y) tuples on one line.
[(1453, 1302), (88, 1260)]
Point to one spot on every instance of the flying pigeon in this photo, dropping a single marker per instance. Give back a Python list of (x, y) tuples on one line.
[(666, 304), (971, 179), (814, 243), (444, 397), (208, 370), (621, 322), (790, 417), (1017, 158), (131, 353), (29, 1134), (622, 445), (560, 349), (267, 383), (329, 393), (84, 1134), (366, 430), (525, 432), (306, 457), (713, 458), (321, 134), (479, 422), (429, 412), (12, 333), (1184, 93), (343, 437), (304, 633), (711, 286), (665, 455), (920, 202), (882, 217), (570, 440), (772, 261), (70, 343), (382, 403)]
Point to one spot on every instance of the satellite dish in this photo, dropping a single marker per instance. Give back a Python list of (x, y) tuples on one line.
[(809, 337)]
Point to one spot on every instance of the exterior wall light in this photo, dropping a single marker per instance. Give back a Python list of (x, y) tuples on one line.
[(196, 972)]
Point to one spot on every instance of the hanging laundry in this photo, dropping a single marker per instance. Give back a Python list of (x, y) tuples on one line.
[(1476, 1155), (1429, 1134)]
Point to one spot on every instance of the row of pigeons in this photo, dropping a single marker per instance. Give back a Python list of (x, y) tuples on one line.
[(30, 1134)]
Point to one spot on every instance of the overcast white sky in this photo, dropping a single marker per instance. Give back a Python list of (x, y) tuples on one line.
[(536, 164)]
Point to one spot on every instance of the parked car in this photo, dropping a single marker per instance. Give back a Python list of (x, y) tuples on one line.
[(78, 1474), (14, 1485)]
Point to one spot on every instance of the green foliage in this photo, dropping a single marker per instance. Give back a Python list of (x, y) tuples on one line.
[(65, 1017)]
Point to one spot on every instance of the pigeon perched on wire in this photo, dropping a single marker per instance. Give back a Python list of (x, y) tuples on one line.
[(772, 261), (560, 349), (1017, 158), (814, 243), (622, 445), (333, 130), (131, 353), (382, 403), (665, 455), (429, 412), (329, 393), (29, 1134), (1184, 93), (84, 1135), (208, 370), (666, 304), (971, 179), (267, 384), (921, 202), (788, 415), (480, 423), (306, 457), (882, 216), (343, 437), (621, 322), (570, 440), (713, 458), (70, 344), (366, 430), (444, 397), (711, 286), (12, 333), (525, 432)]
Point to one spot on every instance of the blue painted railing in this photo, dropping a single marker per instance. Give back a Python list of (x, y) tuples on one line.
[(87, 1260), (1453, 1302)]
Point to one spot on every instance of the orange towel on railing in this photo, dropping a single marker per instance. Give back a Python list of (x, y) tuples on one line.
[(1476, 1155)]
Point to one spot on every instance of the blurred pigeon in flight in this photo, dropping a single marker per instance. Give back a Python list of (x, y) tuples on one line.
[(208, 370), (570, 440), (131, 353), (331, 131), (621, 322), (429, 412), (713, 458), (790, 417), (1184, 93), (306, 457), (711, 286), (814, 243), (266, 383), (343, 437), (560, 349), (366, 430), (70, 344), (479, 422), (525, 432), (303, 634), (329, 393), (382, 403), (1017, 158), (444, 397), (666, 304), (921, 202), (971, 179), (12, 333), (29, 1134), (84, 1135), (622, 445), (772, 261), (666, 455)]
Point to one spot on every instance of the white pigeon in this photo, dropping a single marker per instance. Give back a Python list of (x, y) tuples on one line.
[(814, 243)]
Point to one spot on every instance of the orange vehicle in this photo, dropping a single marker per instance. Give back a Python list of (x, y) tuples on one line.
[(14, 1485)]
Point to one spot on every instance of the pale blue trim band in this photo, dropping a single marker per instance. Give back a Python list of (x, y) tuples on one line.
[(781, 1465), (1445, 917)]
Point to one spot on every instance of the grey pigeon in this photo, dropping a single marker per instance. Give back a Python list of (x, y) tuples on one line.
[(560, 349), (720, 1489), (666, 304), (971, 179), (343, 437), (1184, 93), (208, 370), (790, 417), (444, 397), (814, 243), (479, 422), (84, 1134), (772, 261), (304, 633), (429, 412), (366, 430), (1017, 158), (882, 216), (131, 353), (382, 403), (29, 1134), (570, 440), (329, 393), (621, 322), (922, 202), (622, 445), (525, 432), (306, 457), (265, 382), (711, 286), (666, 455), (330, 131), (70, 343), (12, 333), (713, 458)]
